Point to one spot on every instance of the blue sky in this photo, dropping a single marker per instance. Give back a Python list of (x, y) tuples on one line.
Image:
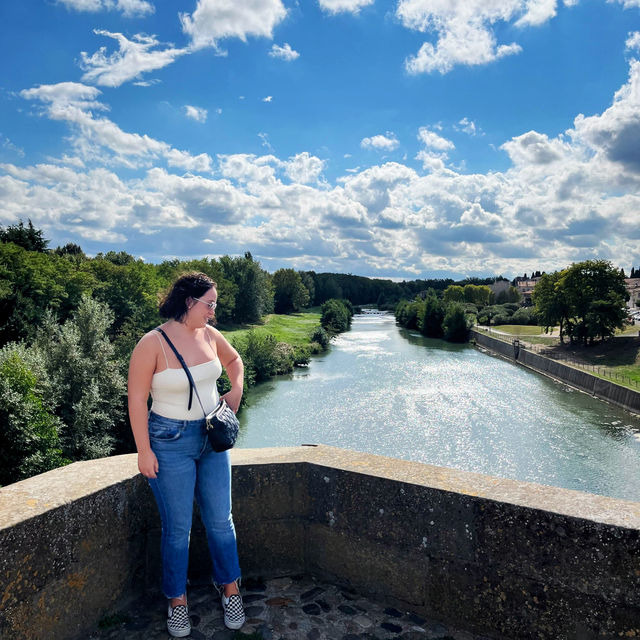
[(415, 138)]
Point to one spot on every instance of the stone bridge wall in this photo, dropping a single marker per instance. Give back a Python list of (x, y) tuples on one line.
[(498, 557)]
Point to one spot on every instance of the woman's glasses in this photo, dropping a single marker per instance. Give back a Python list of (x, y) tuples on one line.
[(211, 305)]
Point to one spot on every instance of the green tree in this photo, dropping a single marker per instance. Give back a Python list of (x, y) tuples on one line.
[(407, 313), (119, 258), (89, 386), (70, 249), (290, 294), (32, 282), (587, 300), (550, 302), (596, 295), (29, 440), (335, 316), (455, 324), (130, 289), (453, 293), (430, 315), (477, 294), (28, 237), (309, 283), (252, 288), (510, 295)]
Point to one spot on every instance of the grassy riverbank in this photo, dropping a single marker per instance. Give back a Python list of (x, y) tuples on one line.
[(294, 329)]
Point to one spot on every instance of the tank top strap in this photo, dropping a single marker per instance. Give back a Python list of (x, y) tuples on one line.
[(163, 351)]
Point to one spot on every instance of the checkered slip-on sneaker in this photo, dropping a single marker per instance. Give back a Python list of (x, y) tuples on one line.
[(233, 611), (178, 623)]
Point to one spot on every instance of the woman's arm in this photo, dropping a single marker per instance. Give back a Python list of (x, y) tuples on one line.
[(141, 369), (232, 363)]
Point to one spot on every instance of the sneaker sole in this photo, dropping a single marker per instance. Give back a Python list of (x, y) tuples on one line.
[(179, 634), (233, 625)]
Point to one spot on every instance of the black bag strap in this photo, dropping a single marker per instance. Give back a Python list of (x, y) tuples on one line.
[(192, 384)]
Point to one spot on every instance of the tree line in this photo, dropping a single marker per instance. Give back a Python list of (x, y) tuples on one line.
[(68, 324), (587, 301)]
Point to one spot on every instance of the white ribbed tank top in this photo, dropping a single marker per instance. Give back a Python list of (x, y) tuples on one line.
[(170, 390)]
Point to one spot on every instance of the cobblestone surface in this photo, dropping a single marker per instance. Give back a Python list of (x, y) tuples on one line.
[(289, 608)]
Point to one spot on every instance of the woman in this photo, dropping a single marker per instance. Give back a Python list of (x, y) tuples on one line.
[(173, 450)]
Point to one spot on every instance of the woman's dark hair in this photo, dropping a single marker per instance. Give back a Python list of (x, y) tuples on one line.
[(188, 285)]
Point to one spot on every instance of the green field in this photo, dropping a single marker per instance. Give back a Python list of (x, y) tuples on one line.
[(520, 329), (294, 329)]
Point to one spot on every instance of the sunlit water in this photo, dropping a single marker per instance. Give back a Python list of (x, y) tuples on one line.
[(386, 390)]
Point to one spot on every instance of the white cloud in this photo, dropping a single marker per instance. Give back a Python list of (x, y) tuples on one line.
[(74, 103), (633, 41), (9, 146), (387, 142), (563, 198), (537, 12), (248, 169), (265, 140), (284, 53), (343, 6), (468, 126), (433, 140), (534, 148), (133, 58), (214, 20), (129, 8), (464, 30), (304, 168), (147, 83), (267, 99), (196, 113), (614, 135)]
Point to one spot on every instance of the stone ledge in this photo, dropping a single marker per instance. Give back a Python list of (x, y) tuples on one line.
[(499, 557)]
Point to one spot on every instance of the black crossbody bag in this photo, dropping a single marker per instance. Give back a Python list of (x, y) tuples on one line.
[(222, 424)]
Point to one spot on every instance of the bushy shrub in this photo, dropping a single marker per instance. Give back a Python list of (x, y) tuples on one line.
[(524, 315), (315, 348), (258, 352), (407, 314), (285, 355), (321, 337), (301, 355), (90, 389), (29, 437), (501, 319), (336, 315)]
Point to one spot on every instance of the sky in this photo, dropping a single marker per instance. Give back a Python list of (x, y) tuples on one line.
[(403, 139)]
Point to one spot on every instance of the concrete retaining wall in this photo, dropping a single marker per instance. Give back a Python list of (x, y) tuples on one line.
[(498, 557), (583, 380)]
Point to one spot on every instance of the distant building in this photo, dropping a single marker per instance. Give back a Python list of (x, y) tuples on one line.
[(499, 286), (633, 289), (526, 287)]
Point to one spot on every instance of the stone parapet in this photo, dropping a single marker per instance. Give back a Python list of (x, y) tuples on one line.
[(498, 557)]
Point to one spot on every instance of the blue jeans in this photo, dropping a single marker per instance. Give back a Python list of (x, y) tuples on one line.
[(188, 467)]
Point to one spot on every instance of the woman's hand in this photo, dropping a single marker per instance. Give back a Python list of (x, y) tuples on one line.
[(148, 464), (233, 399)]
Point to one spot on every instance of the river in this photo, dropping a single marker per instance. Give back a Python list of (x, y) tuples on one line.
[(386, 390)]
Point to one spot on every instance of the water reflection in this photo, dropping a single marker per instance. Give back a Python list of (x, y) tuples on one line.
[(386, 390)]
